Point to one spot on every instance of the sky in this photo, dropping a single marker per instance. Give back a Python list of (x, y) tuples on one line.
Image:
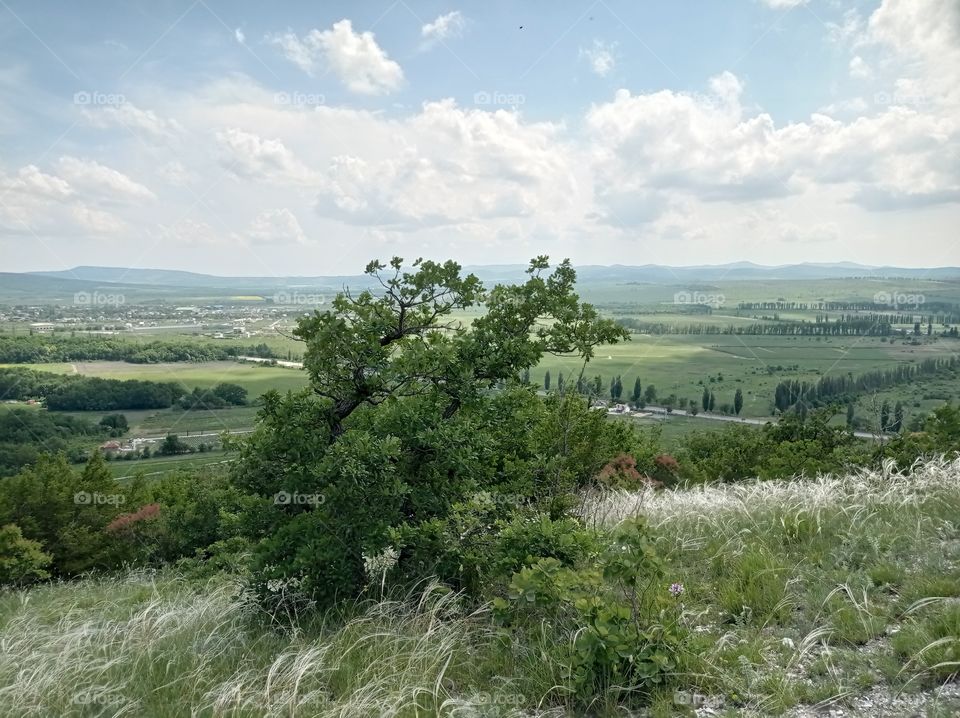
[(307, 138)]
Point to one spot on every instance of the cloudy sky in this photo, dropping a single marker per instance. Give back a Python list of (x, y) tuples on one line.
[(307, 138)]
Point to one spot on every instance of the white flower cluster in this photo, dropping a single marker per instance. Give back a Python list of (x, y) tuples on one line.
[(377, 566)]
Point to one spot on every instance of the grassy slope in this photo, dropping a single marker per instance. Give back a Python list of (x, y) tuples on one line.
[(799, 593)]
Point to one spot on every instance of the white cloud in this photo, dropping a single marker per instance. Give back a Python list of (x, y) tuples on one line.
[(192, 232), (926, 35), (852, 105), (246, 154), (97, 220), (708, 148), (276, 226), (444, 27), (820, 232), (446, 166), (126, 115), (600, 57), (239, 35), (32, 182), (355, 58), (859, 69), (783, 4), (175, 173), (105, 181)]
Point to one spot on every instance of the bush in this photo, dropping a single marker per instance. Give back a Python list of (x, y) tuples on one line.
[(21, 560), (621, 621)]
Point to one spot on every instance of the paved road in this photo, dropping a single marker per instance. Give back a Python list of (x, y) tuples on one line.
[(279, 362)]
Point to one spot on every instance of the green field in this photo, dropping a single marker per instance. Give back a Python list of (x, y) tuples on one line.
[(255, 378), (159, 465), (684, 364)]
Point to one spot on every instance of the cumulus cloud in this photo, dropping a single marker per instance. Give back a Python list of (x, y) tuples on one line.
[(444, 27), (128, 115), (449, 165), (97, 220), (355, 58), (248, 155), (276, 226), (708, 147), (30, 181), (600, 57), (859, 69), (926, 35), (104, 181)]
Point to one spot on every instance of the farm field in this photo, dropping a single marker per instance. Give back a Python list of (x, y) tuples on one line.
[(255, 378), (677, 364), (159, 465)]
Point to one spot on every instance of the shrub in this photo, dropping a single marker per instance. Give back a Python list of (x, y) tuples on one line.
[(21, 560), (622, 621)]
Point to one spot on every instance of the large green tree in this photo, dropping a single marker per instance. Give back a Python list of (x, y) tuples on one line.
[(410, 412)]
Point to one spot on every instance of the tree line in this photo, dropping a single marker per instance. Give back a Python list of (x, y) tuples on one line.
[(870, 326), (845, 387), (86, 393), (40, 348)]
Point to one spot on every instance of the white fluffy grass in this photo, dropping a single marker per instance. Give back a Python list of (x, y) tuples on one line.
[(712, 502), (161, 648)]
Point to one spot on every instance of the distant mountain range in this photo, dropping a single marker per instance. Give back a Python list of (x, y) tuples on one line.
[(617, 273)]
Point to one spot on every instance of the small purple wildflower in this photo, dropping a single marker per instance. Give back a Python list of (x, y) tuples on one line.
[(676, 589)]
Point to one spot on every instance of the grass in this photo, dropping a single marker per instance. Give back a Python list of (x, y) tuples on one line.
[(256, 379), (816, 590), (158, 465), (834, 591)]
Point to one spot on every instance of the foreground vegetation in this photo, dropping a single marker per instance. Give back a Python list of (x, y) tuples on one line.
[(843, 591), (423, 532)]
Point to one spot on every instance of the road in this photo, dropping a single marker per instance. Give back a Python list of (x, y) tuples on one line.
[(278, 362), (743, 420)]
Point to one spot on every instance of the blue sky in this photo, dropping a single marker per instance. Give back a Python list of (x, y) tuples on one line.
[(307, 138)]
